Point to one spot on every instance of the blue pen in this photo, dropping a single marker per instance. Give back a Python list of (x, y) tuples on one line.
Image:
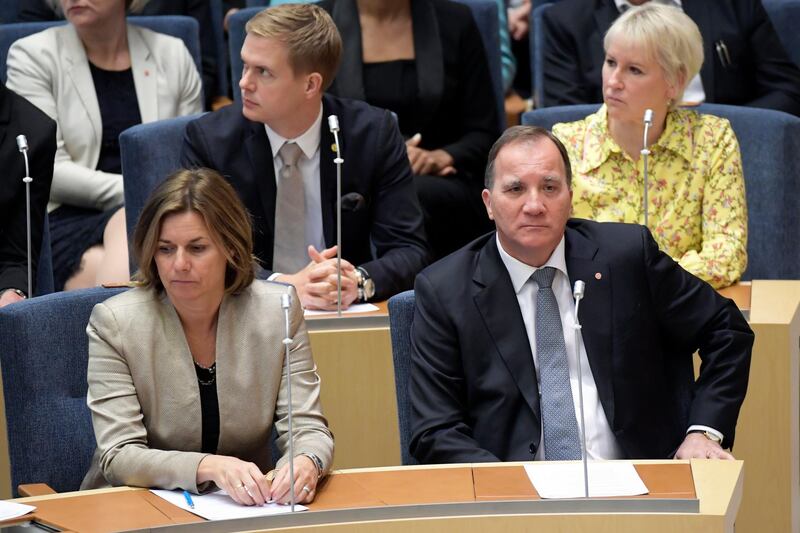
[(188, 498)]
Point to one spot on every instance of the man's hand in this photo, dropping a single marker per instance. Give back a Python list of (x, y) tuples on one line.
[(518, 20), (428, 162), (697, 446), (316, 283), (9, 297)]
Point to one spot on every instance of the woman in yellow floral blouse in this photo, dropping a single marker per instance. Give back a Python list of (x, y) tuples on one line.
[(696, 200)]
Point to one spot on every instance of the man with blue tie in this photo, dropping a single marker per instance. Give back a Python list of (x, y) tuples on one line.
[(495, 365)]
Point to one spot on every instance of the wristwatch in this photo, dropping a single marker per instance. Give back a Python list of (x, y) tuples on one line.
[(15, 291), (707, 434), (366, 287)]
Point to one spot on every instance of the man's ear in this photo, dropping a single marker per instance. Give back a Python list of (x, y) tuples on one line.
[(313, 84), (487, 201)]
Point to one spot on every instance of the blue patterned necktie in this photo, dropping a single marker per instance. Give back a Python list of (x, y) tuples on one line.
[(561, 437)]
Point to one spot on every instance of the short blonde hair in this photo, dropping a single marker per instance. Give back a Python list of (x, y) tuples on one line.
[(132, 6), (205, 192), (309, 34), (667, 34)]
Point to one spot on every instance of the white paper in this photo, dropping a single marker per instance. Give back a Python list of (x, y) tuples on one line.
[(355, 308), (9, 510), (565, 480), (219, 506)]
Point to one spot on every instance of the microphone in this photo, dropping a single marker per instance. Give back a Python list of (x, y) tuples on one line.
[(333, 125), (648, 123), (22, 145), (286, 302), (577, 292)]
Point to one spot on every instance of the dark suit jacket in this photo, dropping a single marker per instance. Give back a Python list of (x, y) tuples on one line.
[(379, 206), (38, 10), (20, 117), (455, 100), (473, 385), (761, 73)]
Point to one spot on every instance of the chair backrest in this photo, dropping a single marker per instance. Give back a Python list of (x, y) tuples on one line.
[(185, 28), (220, 48), (8, 11), (785, 16), (236, 34), (536, 43), (150, 153), (401, 316), (770, 146), (43, 361)]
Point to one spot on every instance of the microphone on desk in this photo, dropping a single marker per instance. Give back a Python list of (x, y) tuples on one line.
[(333, 125), (22, 145), (577, 292), (286, 303), (648, 123)]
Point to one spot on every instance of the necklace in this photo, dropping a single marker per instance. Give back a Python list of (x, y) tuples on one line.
[(206, 376)]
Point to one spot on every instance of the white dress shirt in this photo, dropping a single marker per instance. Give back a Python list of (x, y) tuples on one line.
[(694, 92), (600, 440), (308, 164)]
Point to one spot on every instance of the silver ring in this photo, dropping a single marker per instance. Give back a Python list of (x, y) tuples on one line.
[(240, 486), (305, 488)]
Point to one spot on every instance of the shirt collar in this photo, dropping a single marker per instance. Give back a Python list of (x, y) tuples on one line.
[(521, 272), (622, 5), (308, 141), (599, 145)]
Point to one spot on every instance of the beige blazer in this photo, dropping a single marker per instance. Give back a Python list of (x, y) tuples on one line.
[(145, 400), (51, 70)]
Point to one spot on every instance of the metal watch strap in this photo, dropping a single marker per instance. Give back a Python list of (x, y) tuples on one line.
[(15, 291), (317, 462)]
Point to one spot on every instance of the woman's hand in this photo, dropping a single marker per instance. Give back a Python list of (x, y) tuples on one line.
[(305, 481), (244, 482), (428, 162)]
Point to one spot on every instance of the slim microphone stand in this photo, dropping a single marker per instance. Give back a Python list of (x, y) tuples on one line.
[(578, 293), (286, 301), (338, 161), (22, 142), (645, 153)]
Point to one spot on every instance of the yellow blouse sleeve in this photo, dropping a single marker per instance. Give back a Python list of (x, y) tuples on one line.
[(723, 256)]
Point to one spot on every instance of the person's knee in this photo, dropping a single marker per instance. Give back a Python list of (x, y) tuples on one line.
[(86, 274)]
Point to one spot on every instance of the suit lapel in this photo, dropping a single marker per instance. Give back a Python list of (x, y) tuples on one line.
[(428, 56), (74, 56), (350, 79), (497, 303), (263, 170), (327, 170), (594, 312), (144, 75), (697, 10)]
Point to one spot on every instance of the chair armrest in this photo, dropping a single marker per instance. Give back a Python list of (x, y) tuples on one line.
[(35, 489)]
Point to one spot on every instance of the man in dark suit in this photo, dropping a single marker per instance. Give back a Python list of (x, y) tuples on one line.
[(745, 62), (20, 117), (290, 54), (489, 382)]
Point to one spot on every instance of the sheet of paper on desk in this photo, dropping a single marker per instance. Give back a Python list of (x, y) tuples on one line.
[(355, 308), (219, 506), (565, 480), (9, 510)]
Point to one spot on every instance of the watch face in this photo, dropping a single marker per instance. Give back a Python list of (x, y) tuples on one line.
[(369, 288)]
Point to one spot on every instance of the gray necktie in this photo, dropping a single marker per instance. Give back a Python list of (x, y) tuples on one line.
[(561, 437), (289, 252)]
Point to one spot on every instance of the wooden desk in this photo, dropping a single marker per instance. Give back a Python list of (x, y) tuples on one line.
[(457, 498), (354, 359)]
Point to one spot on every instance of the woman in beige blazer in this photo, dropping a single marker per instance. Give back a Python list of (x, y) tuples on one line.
[(95, 77), (186, 371)]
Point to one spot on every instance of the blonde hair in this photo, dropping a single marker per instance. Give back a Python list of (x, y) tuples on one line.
[(309, 34), (665, 33), (205, 192), (131, 6)]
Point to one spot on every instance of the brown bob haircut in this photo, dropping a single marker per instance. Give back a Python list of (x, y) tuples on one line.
[(309, 34), (205, 192)]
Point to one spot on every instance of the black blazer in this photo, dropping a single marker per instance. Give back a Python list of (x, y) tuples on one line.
[(454, 85), (473, 388), (20, 117), (760, 74), (379, 204)]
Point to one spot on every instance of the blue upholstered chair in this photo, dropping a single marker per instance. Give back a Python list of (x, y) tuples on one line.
[(8, 11), (150, 153), (401, 316), (185, 28), (43, 361), (770, 146), (220, 48), (536, 44), (785, 16), (484, 11)]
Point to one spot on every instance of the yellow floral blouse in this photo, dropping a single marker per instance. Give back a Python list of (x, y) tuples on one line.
[(697, 207)]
